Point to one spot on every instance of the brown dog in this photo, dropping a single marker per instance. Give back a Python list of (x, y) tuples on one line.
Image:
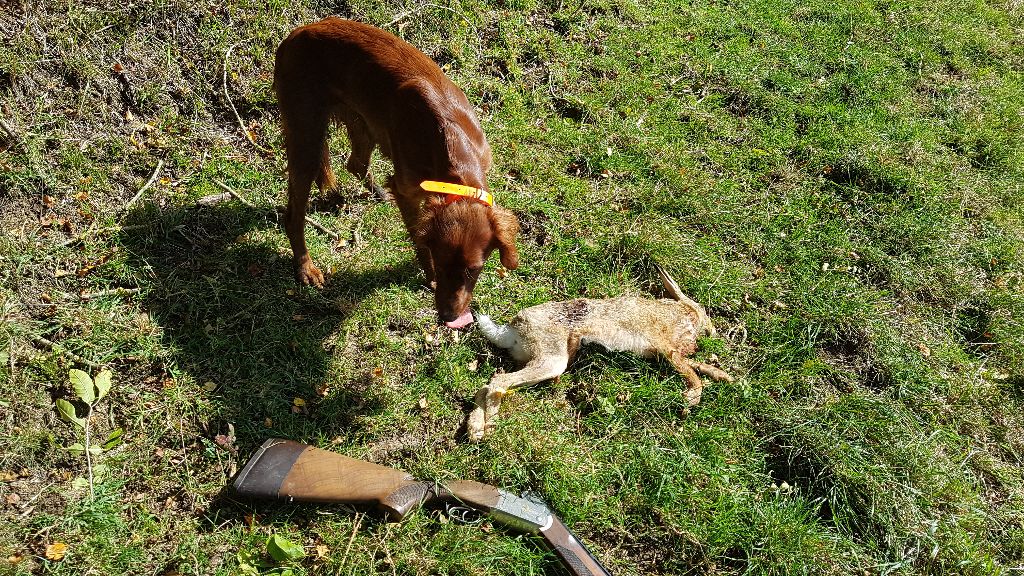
[(390, 95)]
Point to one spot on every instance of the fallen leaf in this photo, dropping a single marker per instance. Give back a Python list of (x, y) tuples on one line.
[(377, 372), (299, 402), (13, 499), (15, 558), (255, 270), (423, 403), (322, 550), (56, 551), (268, 422), (472, 365), (210, 386), (924, 350), (118, 68)]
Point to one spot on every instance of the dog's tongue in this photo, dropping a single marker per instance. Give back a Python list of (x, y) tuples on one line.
[(462, 321)]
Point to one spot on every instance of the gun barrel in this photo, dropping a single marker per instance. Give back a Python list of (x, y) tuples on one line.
[(573, 554)]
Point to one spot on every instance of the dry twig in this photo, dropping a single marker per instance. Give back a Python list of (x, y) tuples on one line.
[(19, 142), (227, 95), (92, 227), (408, 13), (109, 292), (92, 230), (58, 348), (156, 172), (309, 220), (355, 528), (12, 135)]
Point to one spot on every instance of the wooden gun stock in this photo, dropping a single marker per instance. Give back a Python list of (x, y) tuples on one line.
[(286, 470)]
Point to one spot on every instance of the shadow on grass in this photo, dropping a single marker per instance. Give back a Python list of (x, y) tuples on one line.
[(240, 331)]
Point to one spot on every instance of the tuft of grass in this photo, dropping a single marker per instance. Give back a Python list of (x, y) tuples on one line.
[(839, 183)]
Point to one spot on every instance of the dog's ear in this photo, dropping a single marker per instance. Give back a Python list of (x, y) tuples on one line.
[(425, 229), (506, 230)]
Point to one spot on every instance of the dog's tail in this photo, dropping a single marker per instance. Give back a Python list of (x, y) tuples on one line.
[(502, 336), (703, 320)]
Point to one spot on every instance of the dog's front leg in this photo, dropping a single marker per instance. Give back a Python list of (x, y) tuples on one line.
[(410, 209), (306, 272)]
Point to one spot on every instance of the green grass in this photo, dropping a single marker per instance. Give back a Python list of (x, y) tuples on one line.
[(840, 183)]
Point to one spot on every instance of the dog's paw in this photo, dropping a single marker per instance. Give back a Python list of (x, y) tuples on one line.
[(308, 274)]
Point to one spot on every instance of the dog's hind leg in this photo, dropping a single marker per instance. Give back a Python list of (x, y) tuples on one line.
[(325, 180), (481, 420), (363, 144)]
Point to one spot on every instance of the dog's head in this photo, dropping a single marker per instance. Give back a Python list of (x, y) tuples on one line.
[(460, 237)]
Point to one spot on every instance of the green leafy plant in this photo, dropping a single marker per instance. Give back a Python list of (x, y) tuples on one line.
[(90, 391), (280, 549)]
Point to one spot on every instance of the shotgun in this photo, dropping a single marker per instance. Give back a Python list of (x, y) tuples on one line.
[(287, 470)]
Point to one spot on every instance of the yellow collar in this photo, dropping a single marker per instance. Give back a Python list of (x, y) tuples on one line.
[(458, 190)]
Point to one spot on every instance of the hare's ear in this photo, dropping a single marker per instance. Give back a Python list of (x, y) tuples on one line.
[(506, 230)]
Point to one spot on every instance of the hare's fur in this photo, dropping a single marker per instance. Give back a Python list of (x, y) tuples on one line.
[(544, 339)]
